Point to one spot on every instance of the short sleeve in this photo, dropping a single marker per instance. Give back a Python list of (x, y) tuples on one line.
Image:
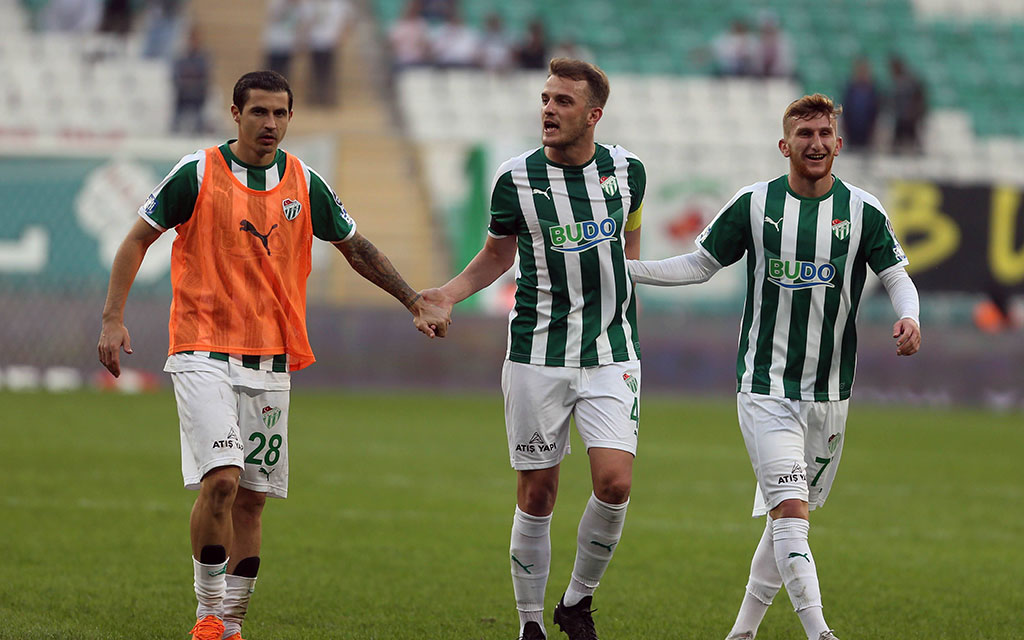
[(505, 211), (637, 175), (727, 236), (173, 200), (330, 220), (878, 242)]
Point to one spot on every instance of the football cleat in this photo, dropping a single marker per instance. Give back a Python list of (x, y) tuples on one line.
[(235, 636), (576, 621), (208, 628), (828, 635), (532, 631), (746, 635)]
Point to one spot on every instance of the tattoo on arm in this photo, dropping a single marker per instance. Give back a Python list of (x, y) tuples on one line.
[(375, 267)]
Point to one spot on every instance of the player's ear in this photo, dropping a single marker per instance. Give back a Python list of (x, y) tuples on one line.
[(594, 116), (839, 145), (784, 148), (236, 114)]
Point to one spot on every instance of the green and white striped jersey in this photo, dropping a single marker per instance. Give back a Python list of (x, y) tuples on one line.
[(173, 200), (575, 305), (806, 267)]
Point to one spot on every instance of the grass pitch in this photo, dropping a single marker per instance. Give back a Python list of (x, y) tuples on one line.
[(400, 507)]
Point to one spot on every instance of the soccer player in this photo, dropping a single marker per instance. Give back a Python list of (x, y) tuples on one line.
[(245, 214), (572, 207), (808, 238)]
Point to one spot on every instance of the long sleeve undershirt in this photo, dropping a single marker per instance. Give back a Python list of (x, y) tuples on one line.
[(699, 266)]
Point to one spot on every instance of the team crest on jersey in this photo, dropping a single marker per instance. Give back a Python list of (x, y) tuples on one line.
[(631, 382), (271, 415), (841, 229), (609, 185), (580, 236), (291, 208)]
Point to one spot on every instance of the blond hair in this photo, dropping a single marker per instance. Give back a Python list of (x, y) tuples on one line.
[(811, 106), (597, 81)]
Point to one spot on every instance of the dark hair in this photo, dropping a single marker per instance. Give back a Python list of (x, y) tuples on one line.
[(271, 81), (809, 107), (597, 81)]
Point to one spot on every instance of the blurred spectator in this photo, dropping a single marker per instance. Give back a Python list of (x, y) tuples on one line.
[(281, 36), (456, 44), (410, 37), (163, 24), (774, 50), (329, 21), (569, 48), (191, 77), (497, 50), (533, 52), (437, 10), (735, 51), (77, 16), (908, 106), (861, 104), (118, 16)]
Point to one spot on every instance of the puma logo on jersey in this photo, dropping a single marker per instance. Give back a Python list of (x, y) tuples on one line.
[(248, 226), (546, 193), (604, 546), (774, 223), (267, 473), (799, 555)]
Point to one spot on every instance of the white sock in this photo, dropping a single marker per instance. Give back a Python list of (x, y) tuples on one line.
[(796, 566), (530, 549), (209, 585), (237, 592), (763, 584), (598, 535)]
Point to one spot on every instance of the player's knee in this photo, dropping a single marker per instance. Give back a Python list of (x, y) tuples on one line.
[(219, 486), (613, 489), (791, 508), (538, 499)]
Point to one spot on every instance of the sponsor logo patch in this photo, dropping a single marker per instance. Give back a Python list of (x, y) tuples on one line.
[(796, 475), (798, 274), (536, 444), (581, 236)]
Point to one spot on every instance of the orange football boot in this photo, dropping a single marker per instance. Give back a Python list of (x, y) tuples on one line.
[(209, 628)]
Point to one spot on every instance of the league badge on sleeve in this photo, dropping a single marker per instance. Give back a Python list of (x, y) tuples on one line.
[(291, 208)]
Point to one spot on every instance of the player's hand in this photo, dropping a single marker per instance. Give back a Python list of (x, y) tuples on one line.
[(113, 336), (432, 313), (907, 335)]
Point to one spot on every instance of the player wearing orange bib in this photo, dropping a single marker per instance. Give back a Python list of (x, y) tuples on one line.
[(245, 214)]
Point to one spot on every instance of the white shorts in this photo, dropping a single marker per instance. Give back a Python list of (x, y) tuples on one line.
[(539, 400), (794, 447), (228, 425)]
